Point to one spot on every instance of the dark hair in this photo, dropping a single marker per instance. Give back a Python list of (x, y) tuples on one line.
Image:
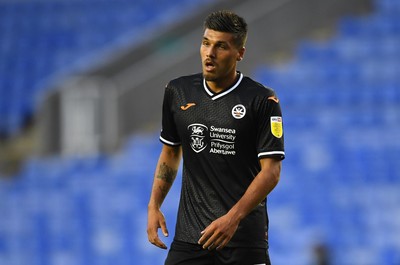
[(227, 21)]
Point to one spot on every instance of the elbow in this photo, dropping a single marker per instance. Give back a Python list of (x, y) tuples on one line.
[(275, 178), (272, 170), (275, 173)]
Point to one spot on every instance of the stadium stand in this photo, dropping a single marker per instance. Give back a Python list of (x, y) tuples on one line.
[(340, 180), (339, 186), (40, 39)]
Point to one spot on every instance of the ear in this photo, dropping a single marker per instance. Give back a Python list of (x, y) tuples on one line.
[(241, 54)]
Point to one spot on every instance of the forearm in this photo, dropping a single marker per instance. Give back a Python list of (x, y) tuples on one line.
[(221, 230), (164, 176), (262, 185)]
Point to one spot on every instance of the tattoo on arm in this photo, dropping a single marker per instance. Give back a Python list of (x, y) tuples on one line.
[(167, 174)]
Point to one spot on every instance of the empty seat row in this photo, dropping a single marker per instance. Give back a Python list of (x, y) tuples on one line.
[(338, 188), (42, 38)]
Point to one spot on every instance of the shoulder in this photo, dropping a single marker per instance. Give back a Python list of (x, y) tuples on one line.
[(185, 81), (256, 88)]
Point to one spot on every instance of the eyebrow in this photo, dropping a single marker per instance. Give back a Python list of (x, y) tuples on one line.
[(217, 42)]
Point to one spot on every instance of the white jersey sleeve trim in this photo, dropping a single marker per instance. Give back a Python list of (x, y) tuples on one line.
[(271, 153), (168, 142)]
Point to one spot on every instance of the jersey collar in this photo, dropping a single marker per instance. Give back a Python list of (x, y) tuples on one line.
[(215, 96)]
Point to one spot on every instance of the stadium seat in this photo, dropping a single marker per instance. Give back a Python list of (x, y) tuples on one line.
[(334, 89), (340, 179), (54, 36)]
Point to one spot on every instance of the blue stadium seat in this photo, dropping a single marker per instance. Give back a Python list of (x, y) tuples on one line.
[(334, 89), (53, 36), (339, 184)]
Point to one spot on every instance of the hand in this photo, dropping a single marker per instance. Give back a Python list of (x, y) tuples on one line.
[(156, 220), (218, 233)]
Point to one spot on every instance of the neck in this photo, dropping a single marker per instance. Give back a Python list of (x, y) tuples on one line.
[(219, 85)]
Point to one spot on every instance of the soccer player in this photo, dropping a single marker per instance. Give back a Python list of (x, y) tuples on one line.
[(228, 129)]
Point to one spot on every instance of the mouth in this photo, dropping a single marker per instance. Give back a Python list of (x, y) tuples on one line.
[(209, 65)]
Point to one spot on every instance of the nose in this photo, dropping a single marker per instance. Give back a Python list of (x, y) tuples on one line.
[(210, 52)]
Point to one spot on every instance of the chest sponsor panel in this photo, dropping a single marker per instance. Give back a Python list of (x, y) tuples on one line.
[(219, 140)]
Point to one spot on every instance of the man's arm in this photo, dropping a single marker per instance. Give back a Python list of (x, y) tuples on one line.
[(165, 173), (220, 232)]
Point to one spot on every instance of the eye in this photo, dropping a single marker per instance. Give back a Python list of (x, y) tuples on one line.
[(205, 43), (222, 46)]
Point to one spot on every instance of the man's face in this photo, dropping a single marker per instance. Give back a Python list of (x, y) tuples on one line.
[(219, 56)]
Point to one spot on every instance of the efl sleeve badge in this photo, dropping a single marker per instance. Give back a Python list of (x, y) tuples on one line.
[(276, 126)]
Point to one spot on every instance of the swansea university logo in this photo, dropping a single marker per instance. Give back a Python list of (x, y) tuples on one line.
[(197, 135)]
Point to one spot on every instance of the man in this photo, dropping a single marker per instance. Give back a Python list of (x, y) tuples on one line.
[(228, 128)]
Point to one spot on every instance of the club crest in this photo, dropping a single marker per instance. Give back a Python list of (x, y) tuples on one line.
[(238, 111)]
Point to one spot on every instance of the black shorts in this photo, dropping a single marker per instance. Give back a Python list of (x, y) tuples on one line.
[(182, 253)]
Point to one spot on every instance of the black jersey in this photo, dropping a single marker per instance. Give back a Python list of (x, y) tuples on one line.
[(223, 136)]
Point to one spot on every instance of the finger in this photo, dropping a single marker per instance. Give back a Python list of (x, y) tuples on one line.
[(205, 235), (223, 244), (203, 238), (154, 239), (164, 228), (216, 243), (211, 242), (160, 244), (157, 242)]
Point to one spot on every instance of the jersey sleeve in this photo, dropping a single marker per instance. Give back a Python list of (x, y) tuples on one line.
[(270, 138), (169, 134)]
